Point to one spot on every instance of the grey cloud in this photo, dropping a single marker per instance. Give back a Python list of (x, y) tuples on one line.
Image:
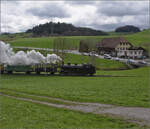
[(81, 2), (138, 12), (111, 27), (108, 27), (11, 2), (49, 11), (141, 21), (104, 27), (122, 8)]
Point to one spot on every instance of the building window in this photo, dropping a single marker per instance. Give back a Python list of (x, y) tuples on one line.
[(135, 52)]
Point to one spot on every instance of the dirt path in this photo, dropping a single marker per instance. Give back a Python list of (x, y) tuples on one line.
[(133, 114)]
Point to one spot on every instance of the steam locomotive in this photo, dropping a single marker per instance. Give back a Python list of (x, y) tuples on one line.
[(63, 69)]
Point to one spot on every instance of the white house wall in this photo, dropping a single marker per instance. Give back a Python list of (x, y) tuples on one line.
[(135, 53), (130, 53)]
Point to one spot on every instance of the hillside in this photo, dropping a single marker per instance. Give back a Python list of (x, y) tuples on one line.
[(127, 28), (140, 39), (63, 29), (23, 39)]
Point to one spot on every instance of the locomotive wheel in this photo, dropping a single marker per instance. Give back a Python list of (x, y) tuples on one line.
[(1, 72), (38, 72), (91, 74), (28, 72), (52, 73)]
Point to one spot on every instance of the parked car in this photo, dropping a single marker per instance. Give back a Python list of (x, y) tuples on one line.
[(85, 54), (96, 55), (131, 61), (107, 56), (142, 62), (116, 58)]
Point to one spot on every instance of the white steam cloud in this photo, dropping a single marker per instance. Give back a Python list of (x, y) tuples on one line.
[(9, 57)]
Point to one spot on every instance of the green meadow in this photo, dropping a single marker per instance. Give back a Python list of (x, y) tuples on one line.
[(125, 91), (138, 39), (21, 114)]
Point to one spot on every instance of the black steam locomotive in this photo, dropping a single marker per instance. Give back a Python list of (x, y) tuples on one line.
[(63, 69), (74, 69)]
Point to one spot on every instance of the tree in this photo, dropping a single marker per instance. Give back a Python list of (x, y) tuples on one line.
[(127, 28), (62, 29), (87, 45)]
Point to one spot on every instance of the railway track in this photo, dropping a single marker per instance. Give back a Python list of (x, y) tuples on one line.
[(22, 74)]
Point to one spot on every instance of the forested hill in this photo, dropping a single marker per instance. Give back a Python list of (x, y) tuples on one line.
[(63, 29)]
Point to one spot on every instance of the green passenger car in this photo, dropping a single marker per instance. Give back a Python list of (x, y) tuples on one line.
[(18, 68)]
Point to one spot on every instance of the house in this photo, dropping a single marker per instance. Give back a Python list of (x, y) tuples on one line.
[(120, 47), (113, 46)]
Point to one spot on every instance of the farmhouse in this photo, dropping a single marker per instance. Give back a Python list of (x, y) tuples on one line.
[(119, 46)]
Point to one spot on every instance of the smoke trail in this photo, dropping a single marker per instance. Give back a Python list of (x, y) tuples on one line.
[(8, 56)]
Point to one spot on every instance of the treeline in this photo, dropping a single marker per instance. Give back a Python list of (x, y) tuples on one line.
[(63, 29)]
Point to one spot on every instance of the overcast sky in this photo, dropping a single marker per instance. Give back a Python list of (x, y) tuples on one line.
[(18, 16)]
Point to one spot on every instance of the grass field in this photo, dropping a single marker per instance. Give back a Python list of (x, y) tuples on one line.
[(47, 42), (21, 114), (144, 72), (126, 91), (141, 38)]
